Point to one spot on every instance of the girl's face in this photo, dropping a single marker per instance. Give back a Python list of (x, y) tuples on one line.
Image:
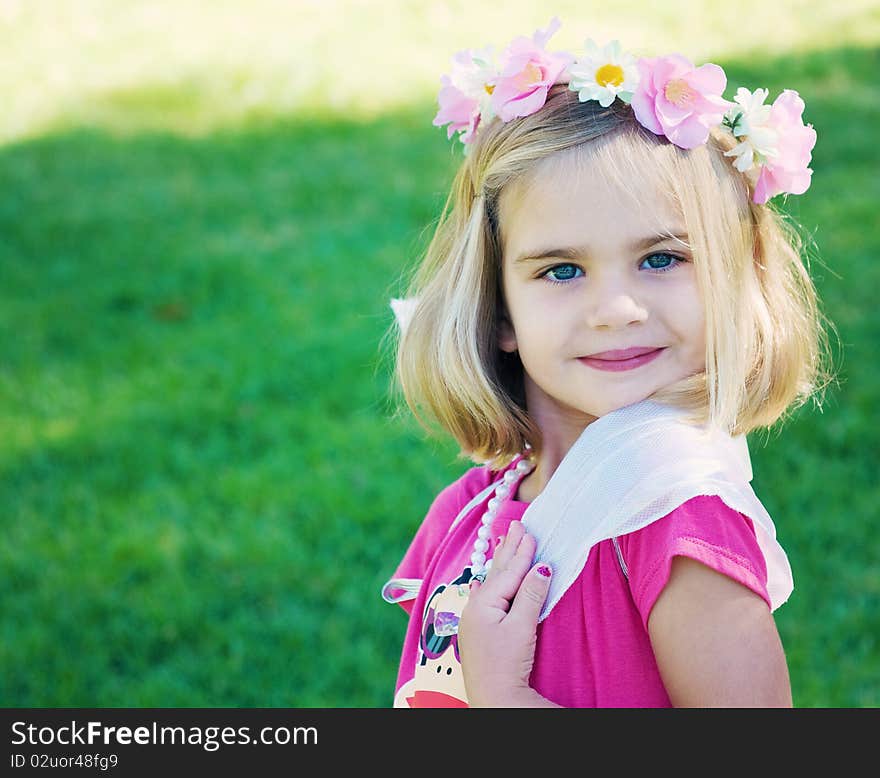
[(587, 273)]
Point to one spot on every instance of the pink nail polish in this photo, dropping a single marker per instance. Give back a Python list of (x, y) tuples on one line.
[(544, 571)]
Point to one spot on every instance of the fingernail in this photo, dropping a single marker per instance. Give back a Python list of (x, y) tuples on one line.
[(544, 571)]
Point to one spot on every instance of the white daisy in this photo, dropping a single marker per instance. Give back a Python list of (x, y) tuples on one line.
[(474, 73), (604, 74), (748, 121)]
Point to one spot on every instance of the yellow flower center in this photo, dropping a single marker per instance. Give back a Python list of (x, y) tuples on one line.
[(530, 74), (490, 88), (609, 74), (679, 93)]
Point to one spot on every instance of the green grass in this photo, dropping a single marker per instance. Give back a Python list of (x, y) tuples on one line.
[(196, 448), (202, 484)]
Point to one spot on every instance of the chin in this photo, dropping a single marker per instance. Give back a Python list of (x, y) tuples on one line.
[(617, 404)]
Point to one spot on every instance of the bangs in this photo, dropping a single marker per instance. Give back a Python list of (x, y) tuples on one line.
[(637, 162)]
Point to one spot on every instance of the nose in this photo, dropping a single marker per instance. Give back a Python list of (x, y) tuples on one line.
[(613, 306)]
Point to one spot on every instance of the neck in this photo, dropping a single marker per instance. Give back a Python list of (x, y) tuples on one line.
[(560, 427), (555, 444)]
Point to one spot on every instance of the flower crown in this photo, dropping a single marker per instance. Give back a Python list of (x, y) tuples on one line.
[(669, 96)]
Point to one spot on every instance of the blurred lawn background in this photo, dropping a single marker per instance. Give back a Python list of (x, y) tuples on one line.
[(204, 210)]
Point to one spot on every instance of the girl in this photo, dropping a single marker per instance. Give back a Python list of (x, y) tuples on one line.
[(607, 308)]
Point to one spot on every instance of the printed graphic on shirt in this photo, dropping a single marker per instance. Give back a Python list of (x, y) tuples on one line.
[(438, 681)]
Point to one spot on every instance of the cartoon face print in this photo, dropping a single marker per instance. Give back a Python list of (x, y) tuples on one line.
[(438, 680)]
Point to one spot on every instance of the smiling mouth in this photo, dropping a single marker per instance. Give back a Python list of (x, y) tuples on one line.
[(623, 359)]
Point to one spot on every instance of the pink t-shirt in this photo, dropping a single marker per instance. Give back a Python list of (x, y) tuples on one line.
[(593, 649)]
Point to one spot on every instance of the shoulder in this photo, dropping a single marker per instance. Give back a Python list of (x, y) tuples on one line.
[(443, 511), (716, 643), (704, 529), (452, 498)]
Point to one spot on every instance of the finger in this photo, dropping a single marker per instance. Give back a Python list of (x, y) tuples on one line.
[(518, 546), (532, 595), (504, 583), (509, 543)]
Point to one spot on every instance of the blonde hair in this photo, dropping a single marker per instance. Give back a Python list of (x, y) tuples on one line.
[(766, 342)]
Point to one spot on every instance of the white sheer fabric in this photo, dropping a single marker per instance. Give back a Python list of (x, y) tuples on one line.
[(632, 467)]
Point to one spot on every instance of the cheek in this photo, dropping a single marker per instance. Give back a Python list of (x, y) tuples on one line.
[(696, 332), (686, 311), (538, 330), (522, 312), (687, 320)]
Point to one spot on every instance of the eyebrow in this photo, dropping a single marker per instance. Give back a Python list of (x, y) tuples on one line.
[(574, 252)]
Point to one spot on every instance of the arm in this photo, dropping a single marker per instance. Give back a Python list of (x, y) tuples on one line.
[(716, 642), (497, 631)]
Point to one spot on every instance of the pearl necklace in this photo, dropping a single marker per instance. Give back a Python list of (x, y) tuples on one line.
[(479, 565)]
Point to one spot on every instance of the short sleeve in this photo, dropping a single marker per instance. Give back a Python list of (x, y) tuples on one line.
[(436, 524), (704, 529)]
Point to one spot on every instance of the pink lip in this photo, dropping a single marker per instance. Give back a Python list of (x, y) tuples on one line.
[(622, 359)]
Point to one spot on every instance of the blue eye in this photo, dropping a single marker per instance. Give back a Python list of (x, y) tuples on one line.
[(561, 274), (662, 261)]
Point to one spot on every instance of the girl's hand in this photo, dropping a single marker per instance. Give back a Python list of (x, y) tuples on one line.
[(497, 631)]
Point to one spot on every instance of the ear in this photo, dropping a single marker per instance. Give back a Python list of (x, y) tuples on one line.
[(506, 335)]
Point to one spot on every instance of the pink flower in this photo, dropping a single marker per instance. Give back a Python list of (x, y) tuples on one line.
[(787, 170), (679, 101), (527, 73), (459, 111), (464, 93)]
